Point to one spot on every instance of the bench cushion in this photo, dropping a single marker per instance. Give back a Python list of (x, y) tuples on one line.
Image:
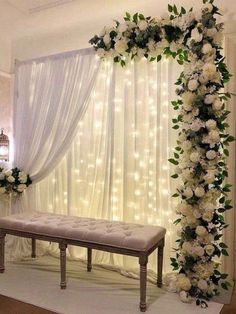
[(113, 233)]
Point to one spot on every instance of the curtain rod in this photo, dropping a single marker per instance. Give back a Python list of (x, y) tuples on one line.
[(84, 51)]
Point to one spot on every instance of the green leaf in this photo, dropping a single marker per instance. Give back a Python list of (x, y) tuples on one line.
[(224, 252), (175, 195), (175, 127), (170, 8), (223, 245), (175, 176), (159, 58), (226, 152), (177, 221), (173, 161), (141, 17), (135, 18)]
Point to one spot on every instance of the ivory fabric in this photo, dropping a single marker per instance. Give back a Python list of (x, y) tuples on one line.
[(117, 166), (97, 231), (51, 98)]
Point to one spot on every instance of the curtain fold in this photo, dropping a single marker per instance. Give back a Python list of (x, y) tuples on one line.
[(117, 167)]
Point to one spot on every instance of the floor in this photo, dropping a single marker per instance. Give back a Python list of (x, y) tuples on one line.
[(11, 306)]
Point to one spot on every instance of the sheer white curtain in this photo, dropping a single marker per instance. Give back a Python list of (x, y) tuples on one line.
[(117, 166), (50, 100)]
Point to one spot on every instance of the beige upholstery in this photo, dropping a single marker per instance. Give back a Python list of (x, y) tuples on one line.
[(112, 233)]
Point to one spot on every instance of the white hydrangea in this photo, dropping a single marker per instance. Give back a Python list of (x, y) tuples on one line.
[(211, 124), (201, 231), (122, 27), (186, 145), (217, 104), (196, 125), (207, 216), (209, 70), (183, 282), (202, 284), (142, 25), (121, 46)]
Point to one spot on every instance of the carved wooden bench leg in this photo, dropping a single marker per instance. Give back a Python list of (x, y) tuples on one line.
[(33, 253), (89, 260), (160, 264), (2, 252), (63, 247), (143, 260)]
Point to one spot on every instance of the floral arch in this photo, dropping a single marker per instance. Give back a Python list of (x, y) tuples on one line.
[(194, 40)]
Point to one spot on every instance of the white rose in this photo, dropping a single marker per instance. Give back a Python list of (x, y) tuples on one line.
[(8, 173), (193, 85), (209, 99), (211, 154), (121, 46), (199, 251), (202, 284), (195, 35), (207, 48), (188, 193), (122, 27), (21, 187), (196, 125), (186, 145), (101, 52), (184, 297), (201, 231), (209, 249), (2, 190), (217, 105), (107, 39), (211, 124), (195, 156), (142, 25), (11, 179), (199, 191), (2, 176)]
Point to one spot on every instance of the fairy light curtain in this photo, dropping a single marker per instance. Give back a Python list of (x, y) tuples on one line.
[(117, 167)]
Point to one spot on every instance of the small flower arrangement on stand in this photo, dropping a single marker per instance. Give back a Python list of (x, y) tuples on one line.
[(13, 182)]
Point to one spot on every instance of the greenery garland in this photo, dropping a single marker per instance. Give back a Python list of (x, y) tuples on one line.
[(194, 40)]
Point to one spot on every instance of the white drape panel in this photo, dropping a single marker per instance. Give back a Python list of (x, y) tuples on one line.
[(117, 166), (51, 99)]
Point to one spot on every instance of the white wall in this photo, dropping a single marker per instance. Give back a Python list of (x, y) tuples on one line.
[(5, 55)]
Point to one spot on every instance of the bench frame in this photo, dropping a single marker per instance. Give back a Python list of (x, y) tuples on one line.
[(63, 242)]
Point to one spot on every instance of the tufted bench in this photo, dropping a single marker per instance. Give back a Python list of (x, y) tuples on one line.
[(111, 236)]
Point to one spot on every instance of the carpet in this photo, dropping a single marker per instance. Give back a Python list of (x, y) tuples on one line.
[(100, 292)]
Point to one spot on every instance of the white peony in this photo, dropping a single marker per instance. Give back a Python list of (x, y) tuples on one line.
[(2, 190), (201, 231), (199, 191), (11, 179), (183, 282), (196, 36), (193, 85), (203, 79), (211, 124), (142, 25), (188, 193), (207, 48), (209, 99), (209, 249), (196, 125), (209, 70), (195, 156), (121, 46), (107, 39), (214, 136), (202, 284), (207, 216), (211, 154)]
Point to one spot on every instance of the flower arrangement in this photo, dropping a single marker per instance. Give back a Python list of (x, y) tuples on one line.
[(13, 181), (193, 38)]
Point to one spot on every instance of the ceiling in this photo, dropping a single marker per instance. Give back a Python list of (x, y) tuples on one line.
[(21, 18)]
